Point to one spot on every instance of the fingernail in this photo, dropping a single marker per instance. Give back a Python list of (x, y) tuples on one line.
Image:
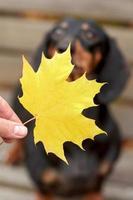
[(20, 131)]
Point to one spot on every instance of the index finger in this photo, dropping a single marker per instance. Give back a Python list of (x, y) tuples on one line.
[(6, 111)]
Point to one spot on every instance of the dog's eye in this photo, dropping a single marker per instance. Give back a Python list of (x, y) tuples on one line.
[(59, 31), (64, 25), (85, 27)]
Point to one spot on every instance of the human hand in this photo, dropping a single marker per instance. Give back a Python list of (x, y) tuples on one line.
[(11, 126)]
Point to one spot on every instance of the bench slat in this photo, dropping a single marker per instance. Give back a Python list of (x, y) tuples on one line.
[(8, 176), (113, 10), (22, 35), (7, 193), (11, 69), (25, 35), (124, 116)]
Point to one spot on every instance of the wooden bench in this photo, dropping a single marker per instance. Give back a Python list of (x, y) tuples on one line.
[(23, 24)]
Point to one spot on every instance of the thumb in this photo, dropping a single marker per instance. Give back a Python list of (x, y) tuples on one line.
[(11, 130)]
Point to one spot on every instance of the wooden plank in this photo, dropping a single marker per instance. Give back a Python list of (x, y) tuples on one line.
[(11, 69), (123, 116), (7, 95), (8, 178), (4, 149), (113, 191), (120, 184), (7, 193), (22, 35), (25, 35), (128, 92), (123, 171), (115, 10), (123, 36)]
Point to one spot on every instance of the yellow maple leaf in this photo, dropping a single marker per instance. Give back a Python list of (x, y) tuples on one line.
[(58, 104)]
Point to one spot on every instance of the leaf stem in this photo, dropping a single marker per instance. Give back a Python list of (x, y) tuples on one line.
[(33, 118)]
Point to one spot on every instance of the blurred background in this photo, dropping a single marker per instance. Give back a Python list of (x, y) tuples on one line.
[(23, 24)]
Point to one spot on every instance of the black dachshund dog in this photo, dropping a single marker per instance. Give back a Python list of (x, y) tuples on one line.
[(97, 54)]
